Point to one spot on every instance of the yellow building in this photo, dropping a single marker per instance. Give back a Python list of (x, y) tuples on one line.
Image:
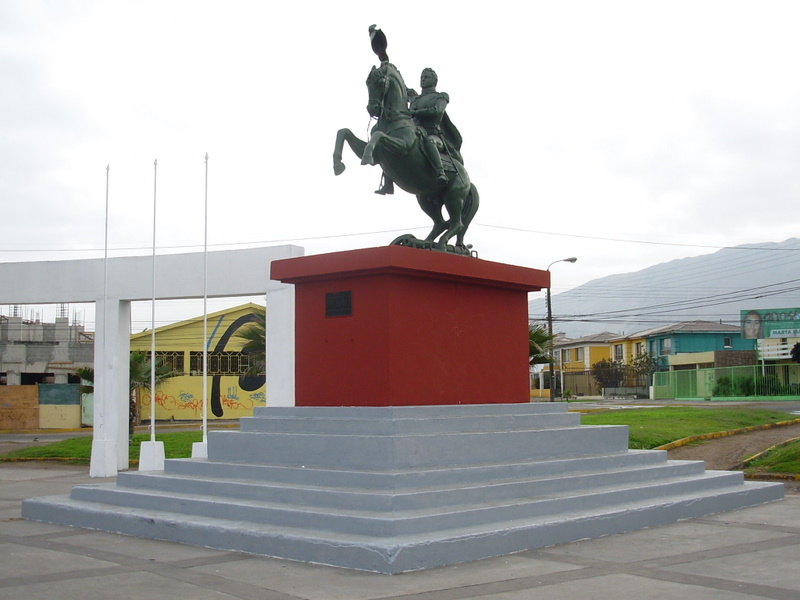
[(626, 348), (231, 392), (776, 350), (574, 360)]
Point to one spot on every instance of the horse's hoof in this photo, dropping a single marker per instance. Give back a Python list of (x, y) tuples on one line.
[(338, 168), (367, 160)]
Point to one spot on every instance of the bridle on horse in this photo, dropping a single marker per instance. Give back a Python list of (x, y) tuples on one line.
[(386, 72)]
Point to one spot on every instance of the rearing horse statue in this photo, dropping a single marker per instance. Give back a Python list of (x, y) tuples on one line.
[(396, 145)]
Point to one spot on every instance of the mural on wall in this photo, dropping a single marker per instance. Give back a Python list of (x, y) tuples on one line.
[(249, 383), (232, 393)]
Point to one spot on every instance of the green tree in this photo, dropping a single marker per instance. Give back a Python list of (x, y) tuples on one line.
[(139, 380), (795, 353), (87, 379), (643, 366), (608, 373), (255, 342), (539, 344)]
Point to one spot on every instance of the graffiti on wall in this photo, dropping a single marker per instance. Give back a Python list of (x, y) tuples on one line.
[(233, 400)]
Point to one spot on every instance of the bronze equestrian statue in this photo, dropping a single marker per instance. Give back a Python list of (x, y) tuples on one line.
[(418, 148)]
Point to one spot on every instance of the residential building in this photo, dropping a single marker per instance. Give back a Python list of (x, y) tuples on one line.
[(574, 359), (624, 349), (698, 343), (33, 352), (776, 350), (38, 388), (231, 392)]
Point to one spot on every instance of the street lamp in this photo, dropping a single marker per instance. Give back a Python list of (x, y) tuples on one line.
[(571, 259)]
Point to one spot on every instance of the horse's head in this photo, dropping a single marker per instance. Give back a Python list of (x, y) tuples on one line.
[(387, 90)]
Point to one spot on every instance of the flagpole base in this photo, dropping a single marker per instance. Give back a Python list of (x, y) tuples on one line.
[(200, 450), (151, 456)]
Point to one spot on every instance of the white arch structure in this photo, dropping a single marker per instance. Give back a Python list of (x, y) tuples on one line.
[(128, 279)]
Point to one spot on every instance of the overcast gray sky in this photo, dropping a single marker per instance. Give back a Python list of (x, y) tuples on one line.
[(623, 133)]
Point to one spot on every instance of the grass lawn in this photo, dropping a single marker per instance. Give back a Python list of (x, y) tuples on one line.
[(653, 427), (785, 459), (78, 450)]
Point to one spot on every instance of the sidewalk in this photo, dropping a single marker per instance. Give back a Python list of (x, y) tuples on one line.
[(752, 553)]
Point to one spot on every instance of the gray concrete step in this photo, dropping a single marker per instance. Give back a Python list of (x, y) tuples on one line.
[(405, 412), (408, 521), (419, 425), (412, 478), (407, 451), (437, 495)]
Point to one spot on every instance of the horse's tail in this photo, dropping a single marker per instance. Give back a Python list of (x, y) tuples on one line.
[(471, 204)]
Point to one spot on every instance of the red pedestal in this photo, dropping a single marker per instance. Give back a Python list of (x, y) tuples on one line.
[(396, 326)]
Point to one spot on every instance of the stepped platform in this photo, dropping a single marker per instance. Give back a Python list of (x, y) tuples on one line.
[(394, 489)]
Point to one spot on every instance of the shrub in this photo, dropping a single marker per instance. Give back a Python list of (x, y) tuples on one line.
[(768, 385), (743, 385), (722, 387)]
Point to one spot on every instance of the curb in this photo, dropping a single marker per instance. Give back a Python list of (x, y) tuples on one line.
[(772, 477), (721, 434), (143, 428), (777, 476), (59, 459)]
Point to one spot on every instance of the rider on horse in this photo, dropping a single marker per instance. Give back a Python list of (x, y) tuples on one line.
[(428, 111)]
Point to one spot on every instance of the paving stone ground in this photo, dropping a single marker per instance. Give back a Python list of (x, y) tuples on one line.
[(746, 554)]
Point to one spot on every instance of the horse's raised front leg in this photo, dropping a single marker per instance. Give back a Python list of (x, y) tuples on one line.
[(367, 157), (356, 144)]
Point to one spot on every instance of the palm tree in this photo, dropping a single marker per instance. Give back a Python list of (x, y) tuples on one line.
[(86, 375), (255, 342), (139, 380), (539, 344)]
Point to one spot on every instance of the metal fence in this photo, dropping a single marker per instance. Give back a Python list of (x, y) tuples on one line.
[(721, 383)]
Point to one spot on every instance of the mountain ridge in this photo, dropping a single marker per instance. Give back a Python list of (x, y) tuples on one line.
[(713, 287)]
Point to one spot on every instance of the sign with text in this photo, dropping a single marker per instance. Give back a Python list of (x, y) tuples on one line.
[(770, 323)]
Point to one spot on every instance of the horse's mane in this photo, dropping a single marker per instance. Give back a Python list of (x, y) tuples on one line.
[(387, 69)]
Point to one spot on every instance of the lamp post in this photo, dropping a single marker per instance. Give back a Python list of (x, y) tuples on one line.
[(571, 259)]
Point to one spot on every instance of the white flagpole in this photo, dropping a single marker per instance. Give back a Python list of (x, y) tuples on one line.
[(103, 462), (205, 308), (200, 450), (102, 412), (151, 454), (153, 318)]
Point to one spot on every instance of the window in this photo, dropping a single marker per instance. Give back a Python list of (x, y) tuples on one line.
[(639, 348), (578, 354), (618, 352), (564, 356), (666, 346), (172, 359), (727, 342), (220, 363)]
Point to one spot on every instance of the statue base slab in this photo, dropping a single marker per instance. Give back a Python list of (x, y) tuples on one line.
[(393, 489), (396, 326)]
